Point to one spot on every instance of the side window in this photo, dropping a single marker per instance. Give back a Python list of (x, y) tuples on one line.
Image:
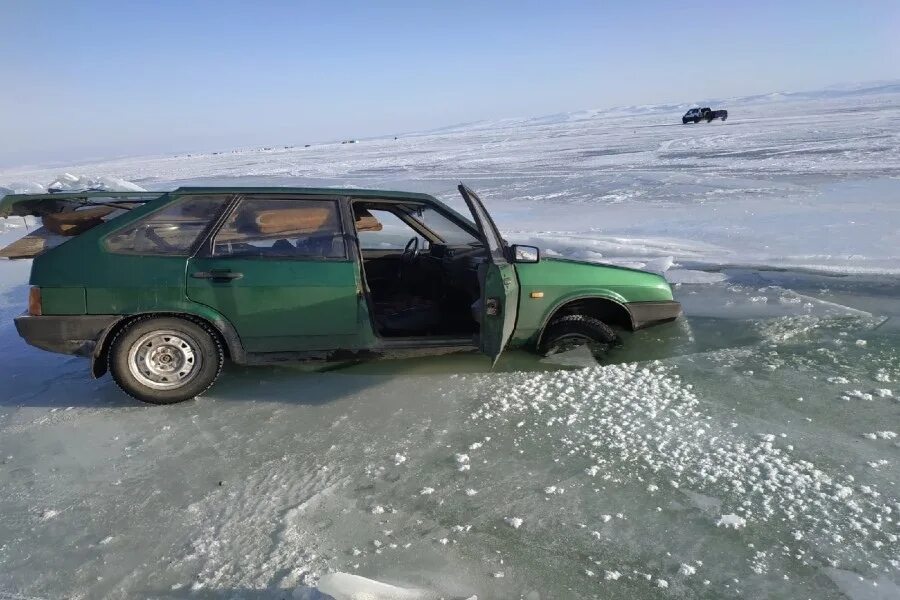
[(443, 227), (282, 228), (173, 230), (379, 229)]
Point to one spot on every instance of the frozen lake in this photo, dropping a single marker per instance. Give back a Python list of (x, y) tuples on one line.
[(750, 450)]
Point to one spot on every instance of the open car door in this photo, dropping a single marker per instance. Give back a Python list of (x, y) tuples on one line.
[(499, 284)]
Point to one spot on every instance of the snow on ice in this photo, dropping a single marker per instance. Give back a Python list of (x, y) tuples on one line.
[(731, 521), (636, 422)]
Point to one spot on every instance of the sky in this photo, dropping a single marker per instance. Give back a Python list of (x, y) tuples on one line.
[(95, 79)]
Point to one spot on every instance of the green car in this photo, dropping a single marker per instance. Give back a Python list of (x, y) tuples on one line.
[(161, 288)]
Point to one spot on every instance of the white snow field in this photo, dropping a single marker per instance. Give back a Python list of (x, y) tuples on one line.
[(749, 450)]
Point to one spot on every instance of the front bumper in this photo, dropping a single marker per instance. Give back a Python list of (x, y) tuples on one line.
[(645, 314), (66, 334)]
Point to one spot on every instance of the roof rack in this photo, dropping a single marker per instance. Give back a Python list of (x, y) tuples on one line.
[(85, 195), (45, 203)]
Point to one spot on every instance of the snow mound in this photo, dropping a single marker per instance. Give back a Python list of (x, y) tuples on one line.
[(22, 187), (72, 183), (76, 183)]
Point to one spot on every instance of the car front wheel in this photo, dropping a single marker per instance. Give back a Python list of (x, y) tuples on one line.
[(164, 360), (572, 331)]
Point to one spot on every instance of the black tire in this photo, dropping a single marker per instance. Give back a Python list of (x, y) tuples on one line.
[(150, 356), (570, 331), (684, 121)]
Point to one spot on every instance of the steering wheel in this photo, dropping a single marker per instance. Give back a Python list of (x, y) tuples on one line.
[(410, 251)]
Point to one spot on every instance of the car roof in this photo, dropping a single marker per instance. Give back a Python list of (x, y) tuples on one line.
[(23, 204), (307, 191)]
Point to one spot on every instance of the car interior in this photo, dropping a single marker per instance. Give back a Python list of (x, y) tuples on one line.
[(421, 269)]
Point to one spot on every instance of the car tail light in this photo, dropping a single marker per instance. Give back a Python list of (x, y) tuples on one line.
[(34, 301)]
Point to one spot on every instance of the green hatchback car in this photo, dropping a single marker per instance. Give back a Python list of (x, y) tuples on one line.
[(161, 288)]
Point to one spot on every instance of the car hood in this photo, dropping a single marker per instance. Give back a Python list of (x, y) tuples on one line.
[(580, 277), (588, 263)]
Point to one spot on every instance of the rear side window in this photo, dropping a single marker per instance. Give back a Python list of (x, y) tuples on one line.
[(282, 228), (171, 231)]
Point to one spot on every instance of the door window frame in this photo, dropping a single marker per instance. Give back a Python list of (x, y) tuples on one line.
[(486, 226)]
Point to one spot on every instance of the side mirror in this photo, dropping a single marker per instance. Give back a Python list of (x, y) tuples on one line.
[(526, 254)]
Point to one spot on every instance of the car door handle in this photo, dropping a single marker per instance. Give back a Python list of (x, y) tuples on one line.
[(217, 275)]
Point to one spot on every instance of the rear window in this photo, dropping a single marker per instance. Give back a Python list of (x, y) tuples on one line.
[(172, 230)]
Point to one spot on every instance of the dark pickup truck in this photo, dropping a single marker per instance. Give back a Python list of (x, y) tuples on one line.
[(695, 115)]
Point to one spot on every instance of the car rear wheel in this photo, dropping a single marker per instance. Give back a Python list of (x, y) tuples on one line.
[(164, 360), (572, 331)]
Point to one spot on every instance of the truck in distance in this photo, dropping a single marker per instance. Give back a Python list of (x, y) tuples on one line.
[(695, 115)]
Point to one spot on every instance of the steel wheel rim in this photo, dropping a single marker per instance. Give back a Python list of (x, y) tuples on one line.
[(164, 359)]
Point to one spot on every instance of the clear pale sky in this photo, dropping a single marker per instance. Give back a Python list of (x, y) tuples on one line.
[(88, 79)]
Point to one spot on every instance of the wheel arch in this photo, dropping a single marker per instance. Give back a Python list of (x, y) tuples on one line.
[(610, 311), (228, 337)]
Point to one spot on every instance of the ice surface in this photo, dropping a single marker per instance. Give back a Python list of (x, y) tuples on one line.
[(748, 450), (345, 586), (860, 588), (651, 455)]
